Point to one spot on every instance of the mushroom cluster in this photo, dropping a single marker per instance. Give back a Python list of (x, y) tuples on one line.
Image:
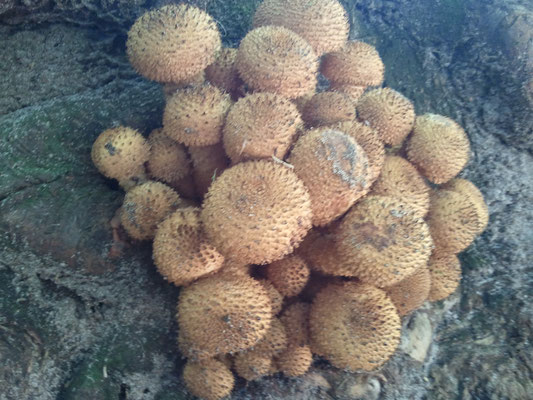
[(299, 221)]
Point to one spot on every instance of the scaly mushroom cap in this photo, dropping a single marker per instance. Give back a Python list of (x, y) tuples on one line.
[(369, 140), (208, 162), (173, 43), (400, 179), (383, 240), (389, 112), (295, 360), (257, 212), (275, 297), (195, 116), (438, 147), (222, 314), (170, 88), (253, 365), (354, 326), (334, 169), (180, 251), (410, 293), (454, 220), (295, 319), (222, 72), (208, 379), (323, 23), (353, 92), (168, 160), (319, 251), (469, 189), (275, 340), (328, 108), (357, 63), (289, 275), (445, 271), (260, 125), (275, 59), (145, 206), (120, 153)]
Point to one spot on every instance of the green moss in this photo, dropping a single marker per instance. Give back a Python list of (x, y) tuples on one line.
[(234, 18)]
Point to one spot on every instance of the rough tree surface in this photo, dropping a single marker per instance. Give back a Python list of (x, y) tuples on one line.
[(76, 323)]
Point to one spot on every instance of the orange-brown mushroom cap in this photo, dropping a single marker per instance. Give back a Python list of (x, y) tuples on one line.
[(445, 271), (145, 206), (454, 220), (410, 293), (438, 147), (288, 275), (354, 326), (400, 179), (323, 23), (469, 189), (195, 116), (276, 59), (173, 43), (222, 72), (383, 240), (208, 379), (120, 153), (389, 112), (328, 108), (222, 314), (257, 212), (334, 169), (168, 160), (260, 125), (295, 360), (357, 63), (181, 252), (208, 163)]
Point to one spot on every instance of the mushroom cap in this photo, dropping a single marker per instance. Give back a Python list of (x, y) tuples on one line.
[(145, 206), (208, 163), (295, 319), (173, 43), (357, 63), (438, 147), (354, 325), (454, 220), (209, 379), (195, 116), (383, 240), (445, 272), (288, 275), (275, 59), (253, 365), (353, 92), (295, 360), (400, 179), (319, 251), (222, 314), (275, 297), (323, 23), (410, 293), (120, 153), (260, 125), (327, 108), (389, 112), (334, 169), (181, 252), (222, 72), (274, 341), (469, 189), (369, 140), (257, 212), (168, 160), (169, 88)]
